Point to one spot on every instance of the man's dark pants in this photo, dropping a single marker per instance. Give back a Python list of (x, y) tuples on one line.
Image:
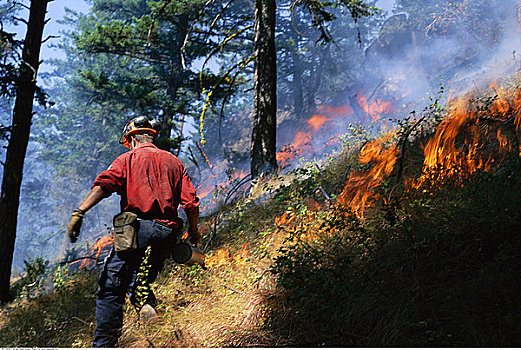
[(119, 276)]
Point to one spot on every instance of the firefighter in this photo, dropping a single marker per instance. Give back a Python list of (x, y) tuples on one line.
[(152, 184)]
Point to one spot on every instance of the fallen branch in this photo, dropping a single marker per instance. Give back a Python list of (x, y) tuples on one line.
[(232, 289), (82, 321), (77, 259)]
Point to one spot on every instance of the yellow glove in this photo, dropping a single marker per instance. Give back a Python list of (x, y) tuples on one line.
[(75, 224)]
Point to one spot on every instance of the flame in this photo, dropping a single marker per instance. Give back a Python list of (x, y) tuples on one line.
[(221, 257), (239, 174), (102, 243), (285, 219), (316, 122), (294, 149), (465, 142), (335, 111), (469, 138), (359, 186), (375, 108), (224, 257), (98, 248), (242, 254)]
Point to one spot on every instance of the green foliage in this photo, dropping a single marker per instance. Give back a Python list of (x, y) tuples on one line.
[(32, 280), (61, 276), (321, 13), (34, 268), (59, 319), (142, 289)]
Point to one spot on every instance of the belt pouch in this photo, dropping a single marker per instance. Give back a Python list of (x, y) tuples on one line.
[(126, 227)]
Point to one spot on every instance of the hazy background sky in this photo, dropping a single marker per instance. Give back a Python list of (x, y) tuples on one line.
[(56, 11)]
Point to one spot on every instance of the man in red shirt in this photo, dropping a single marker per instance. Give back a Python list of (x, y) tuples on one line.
[(152, 184)]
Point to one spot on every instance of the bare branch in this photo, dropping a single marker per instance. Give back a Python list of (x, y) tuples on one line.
[(160, 12), (21, 4), (183, 48), (220, 46), (21, 20), (233, 290), (77, 259), (50, 37)]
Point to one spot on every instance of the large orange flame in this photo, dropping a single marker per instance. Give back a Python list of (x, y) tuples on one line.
[(470, 137), (359, 187)]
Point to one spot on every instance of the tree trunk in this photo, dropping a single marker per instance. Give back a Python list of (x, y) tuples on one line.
[(15, 156), (176, 77), (298, 94), (263, 143)]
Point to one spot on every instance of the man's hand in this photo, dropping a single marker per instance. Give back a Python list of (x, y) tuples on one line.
[(195, 236), (75, 225)]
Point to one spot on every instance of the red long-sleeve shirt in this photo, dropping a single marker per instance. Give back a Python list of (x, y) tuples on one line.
[(152, 183)]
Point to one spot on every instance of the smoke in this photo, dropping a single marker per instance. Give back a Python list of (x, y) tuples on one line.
[(402, 62), (460, 45)]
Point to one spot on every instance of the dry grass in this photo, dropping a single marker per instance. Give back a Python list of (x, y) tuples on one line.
[(62, 318), (221, 306)]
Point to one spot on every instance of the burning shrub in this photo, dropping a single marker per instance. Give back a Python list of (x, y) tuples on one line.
[(423, 266)]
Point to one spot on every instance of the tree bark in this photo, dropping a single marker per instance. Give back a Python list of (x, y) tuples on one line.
[(298, 94), (16, 150), (177, 74), (263, 143)]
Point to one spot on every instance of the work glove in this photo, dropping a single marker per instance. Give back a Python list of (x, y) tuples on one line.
[(195, 236), (75, 224)]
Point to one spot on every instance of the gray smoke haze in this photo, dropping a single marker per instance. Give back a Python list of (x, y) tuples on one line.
[(402, 65)]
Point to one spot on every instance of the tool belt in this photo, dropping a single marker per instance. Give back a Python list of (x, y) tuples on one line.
[(126, 228), (127, 235)]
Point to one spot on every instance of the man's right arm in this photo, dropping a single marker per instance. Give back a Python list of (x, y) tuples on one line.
[(95, 195), (105, 184), (193, 221), (190, 204)]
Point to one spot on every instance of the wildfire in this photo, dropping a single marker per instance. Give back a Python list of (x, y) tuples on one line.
[(335, 111), (98, 248), (295, 148), (224, 257), (316, 122), (239, 174), (469, 139), (374, 109), (359, 187)]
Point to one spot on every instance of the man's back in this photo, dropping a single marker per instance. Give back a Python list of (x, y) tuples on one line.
[(151, 182)]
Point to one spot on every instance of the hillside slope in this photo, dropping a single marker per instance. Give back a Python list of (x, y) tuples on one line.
[(408, 239)]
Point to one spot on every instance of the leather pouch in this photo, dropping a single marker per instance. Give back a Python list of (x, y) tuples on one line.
[(126, 228)]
